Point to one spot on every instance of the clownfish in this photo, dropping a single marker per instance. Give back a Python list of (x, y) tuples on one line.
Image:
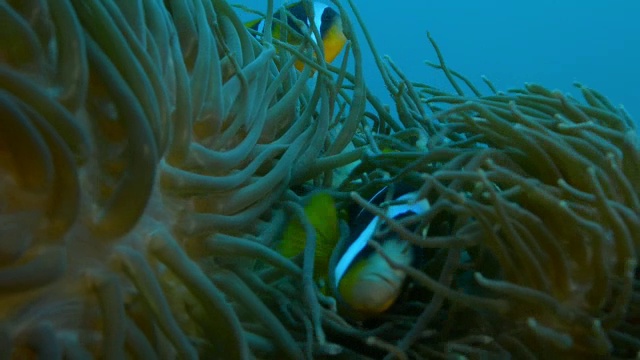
[(326, 19), (320, 209), (363, 282), (363, 279)]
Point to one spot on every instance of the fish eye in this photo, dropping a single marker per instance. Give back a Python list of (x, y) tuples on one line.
[(383, 227)]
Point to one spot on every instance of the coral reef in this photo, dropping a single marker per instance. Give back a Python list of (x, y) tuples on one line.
[(147, 154)]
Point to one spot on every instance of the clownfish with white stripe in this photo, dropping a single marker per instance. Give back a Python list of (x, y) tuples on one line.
[(362, 281), (326, 19)]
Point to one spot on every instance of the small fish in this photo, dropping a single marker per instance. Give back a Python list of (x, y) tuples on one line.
[(320, 208), (327, 21), (364, 280)]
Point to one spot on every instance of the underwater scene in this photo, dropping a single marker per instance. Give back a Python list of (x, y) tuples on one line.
[(200, 179)]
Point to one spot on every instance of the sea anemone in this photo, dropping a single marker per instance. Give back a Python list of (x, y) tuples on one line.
[(146, 148), (533, 232), (148, 151)]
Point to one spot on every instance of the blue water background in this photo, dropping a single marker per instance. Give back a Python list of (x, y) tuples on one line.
[(552, 42)]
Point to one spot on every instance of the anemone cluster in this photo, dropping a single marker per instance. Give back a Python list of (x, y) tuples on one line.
[(147, 154), (533, 232), (141, 142)]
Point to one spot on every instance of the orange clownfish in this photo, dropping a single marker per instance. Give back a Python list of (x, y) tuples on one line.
[(366, 283), (326, 19), (361, 280)]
